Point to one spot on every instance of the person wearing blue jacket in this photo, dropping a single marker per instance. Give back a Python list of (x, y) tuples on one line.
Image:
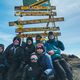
[(53, 48), (44, 62)]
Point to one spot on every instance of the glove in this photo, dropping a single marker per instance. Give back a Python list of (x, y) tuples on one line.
[(48, 71), (51, 52), (30, 69)]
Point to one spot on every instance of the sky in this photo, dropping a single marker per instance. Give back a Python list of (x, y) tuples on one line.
[(70, 27)]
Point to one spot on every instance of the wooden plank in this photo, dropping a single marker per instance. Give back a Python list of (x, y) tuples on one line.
[(36, 21), (34, 35), (37, 29), (35, 8), (35, 13)]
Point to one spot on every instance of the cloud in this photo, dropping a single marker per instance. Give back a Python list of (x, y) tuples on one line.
[(12, 3), (71, 40), (6, 38), (67, 7), (75, 52)]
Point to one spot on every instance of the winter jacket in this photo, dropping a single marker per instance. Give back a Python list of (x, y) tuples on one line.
[(56, 43), (3, 61), (45, 64), (28, 49), (14, 55), (56, 46)]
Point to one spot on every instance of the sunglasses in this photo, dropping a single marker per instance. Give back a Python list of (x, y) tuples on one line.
[(40, 48), (34, 59)]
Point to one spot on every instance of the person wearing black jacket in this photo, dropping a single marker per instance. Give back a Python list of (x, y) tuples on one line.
[(31, 70), (15, 57), (3, 63), (29, 49)]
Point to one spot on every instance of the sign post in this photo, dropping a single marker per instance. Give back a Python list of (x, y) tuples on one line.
[(36, 8)]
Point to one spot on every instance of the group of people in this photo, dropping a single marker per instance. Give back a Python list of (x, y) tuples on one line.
[(29, 61)]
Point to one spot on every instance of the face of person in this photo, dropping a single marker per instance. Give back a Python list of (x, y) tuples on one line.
[(39, 50), (29, 42), (51, 36), (34, 58), (1, 49), (38, 38), (16, 42)]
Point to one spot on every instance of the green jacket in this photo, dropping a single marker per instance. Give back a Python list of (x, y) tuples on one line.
[(51, 46)]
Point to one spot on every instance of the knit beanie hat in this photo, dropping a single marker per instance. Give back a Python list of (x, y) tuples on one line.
[(38, 35), (17, 38), (29, 38), (50, 33), (1, 45), (40, 46)]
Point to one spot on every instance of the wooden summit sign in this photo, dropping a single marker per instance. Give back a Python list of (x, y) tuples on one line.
[(35, 8), (36, 21), (34, 35), (35, 13), (37, 29)]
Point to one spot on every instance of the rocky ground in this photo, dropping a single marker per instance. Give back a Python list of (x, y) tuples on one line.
[(75, 62), (76, 74)]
